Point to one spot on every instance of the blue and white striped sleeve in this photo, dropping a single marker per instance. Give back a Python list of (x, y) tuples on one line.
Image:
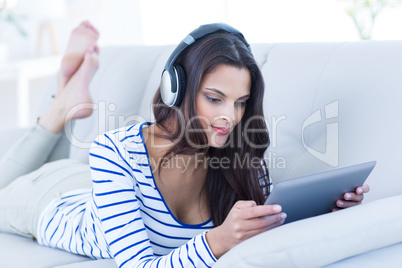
[(119, 212)]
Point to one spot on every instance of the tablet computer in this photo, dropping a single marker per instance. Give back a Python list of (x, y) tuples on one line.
[(317, 194)]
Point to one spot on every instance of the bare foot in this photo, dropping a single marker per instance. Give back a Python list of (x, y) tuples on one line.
[(76, 92), (81, 39), (74, 99)]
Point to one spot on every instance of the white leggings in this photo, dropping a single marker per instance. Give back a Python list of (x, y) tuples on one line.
[(28, 183)]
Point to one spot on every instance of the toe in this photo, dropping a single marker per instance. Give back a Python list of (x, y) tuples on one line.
[(94, 29), (85, 23), (89, 26), (96, 49)]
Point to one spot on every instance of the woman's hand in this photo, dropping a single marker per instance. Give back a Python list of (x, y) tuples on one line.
[(353, 198), (244, 220)]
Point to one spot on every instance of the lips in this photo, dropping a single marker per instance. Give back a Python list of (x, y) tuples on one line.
[(221, 130)]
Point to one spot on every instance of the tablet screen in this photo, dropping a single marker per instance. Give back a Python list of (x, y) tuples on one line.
[(317, 194)]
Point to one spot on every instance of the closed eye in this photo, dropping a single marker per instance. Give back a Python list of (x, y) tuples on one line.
[(241, 103), (213, 100)]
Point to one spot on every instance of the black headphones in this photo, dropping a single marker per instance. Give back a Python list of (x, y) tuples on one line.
[(173, 82)]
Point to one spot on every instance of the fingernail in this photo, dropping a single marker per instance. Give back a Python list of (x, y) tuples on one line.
[(277, 208), (283, 215), (347, 196), (340, 203)]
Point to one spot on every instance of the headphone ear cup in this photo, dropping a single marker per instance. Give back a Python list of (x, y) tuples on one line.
[(182, 80)]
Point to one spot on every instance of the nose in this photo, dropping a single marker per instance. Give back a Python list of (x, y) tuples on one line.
[(228, 114)]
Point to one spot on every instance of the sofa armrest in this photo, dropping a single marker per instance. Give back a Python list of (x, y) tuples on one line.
[(9, 137)]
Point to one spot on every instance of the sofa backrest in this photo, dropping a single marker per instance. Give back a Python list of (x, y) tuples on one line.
[(327, 105), (333, 105)]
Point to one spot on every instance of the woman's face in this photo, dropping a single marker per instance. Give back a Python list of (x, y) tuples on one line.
[(221, 101)]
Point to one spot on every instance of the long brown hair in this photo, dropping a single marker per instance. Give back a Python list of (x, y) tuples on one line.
[(246, 177)]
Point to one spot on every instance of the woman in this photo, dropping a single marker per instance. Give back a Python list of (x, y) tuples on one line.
[(178, 192)]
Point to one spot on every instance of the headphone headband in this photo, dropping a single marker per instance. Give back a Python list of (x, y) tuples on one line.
[(173, 77), (198, 33), (206, 29)]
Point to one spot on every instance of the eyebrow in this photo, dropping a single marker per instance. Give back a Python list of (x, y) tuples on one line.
[(224, 95)]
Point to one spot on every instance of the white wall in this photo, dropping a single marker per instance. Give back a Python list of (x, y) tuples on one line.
[(118, 21), (262, 20), (168, 21)]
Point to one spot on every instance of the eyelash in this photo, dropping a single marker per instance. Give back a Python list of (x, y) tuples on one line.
[(242, 104), (213, 100)]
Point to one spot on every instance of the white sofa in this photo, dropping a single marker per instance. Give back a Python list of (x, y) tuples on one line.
[(328, 105)]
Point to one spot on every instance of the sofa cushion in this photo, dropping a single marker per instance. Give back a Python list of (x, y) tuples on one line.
[(335, 104), (17, 251), (384, 257), (322, 240)]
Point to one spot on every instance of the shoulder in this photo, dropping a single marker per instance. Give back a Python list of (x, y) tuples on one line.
[(126, 135), (120, 142)]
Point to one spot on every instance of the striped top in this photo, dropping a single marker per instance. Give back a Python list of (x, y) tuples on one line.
[(124, 216)]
